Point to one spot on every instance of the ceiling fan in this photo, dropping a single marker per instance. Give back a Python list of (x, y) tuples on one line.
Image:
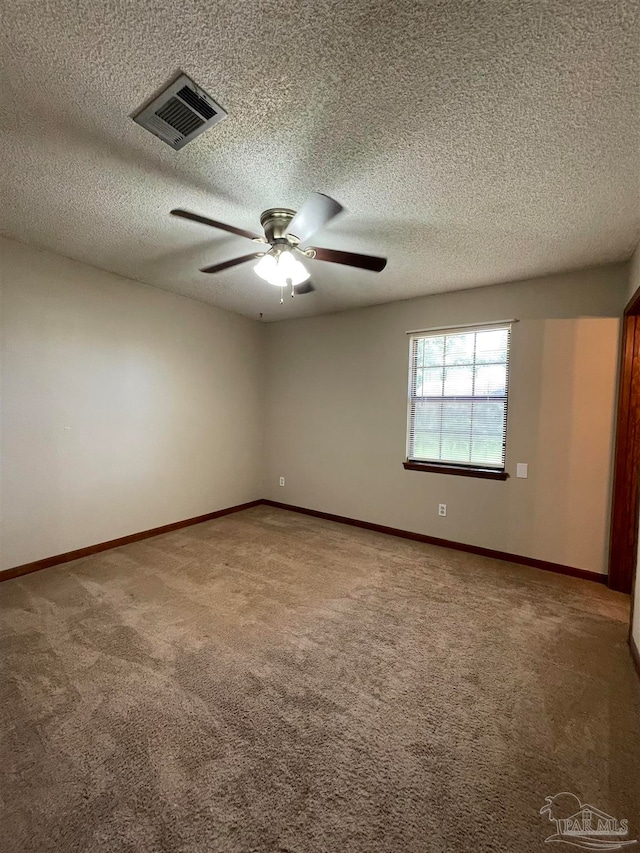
[(286, 232)]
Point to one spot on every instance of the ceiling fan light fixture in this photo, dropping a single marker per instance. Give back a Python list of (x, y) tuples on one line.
[(287, 233), (279, 267)]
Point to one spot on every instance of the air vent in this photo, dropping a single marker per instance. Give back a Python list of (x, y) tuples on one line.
[(180, 113)]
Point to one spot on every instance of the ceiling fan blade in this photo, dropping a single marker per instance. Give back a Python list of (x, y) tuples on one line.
[(232, 263), (195, 217), (351, 259), (305, 287), (314, 214)]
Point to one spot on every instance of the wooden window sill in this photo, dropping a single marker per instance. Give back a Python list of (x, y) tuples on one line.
[(460, 470)]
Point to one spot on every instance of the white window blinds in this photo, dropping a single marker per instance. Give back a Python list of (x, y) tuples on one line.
[(458, 387)]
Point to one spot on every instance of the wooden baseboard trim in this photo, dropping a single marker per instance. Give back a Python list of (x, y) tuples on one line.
[(56, 560), (584, 574), (47, 562), (635, 653)]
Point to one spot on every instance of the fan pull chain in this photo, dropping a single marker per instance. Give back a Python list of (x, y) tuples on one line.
[(293, 290), (282, 296)]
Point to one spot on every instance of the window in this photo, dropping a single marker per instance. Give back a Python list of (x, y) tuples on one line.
[(458, 385)]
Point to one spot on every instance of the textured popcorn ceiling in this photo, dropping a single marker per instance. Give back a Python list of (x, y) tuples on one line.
[(471, 142)]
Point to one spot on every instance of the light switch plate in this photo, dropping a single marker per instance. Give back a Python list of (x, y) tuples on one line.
[(522, 470)]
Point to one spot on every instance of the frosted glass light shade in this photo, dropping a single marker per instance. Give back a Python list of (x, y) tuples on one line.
[(281, 268)]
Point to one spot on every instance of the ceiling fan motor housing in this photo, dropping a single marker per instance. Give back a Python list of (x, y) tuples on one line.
[(275, 222)]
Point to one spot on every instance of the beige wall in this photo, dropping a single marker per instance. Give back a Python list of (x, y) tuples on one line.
[(634, 273), (634, 284), (123, 407), (336, 417)]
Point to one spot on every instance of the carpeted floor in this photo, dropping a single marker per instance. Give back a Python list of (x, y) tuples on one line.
[(273, 682)]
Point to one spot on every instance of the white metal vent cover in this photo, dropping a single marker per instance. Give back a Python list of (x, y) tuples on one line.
[(179, 113)]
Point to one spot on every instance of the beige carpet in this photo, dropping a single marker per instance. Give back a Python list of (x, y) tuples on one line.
[(272, 682)]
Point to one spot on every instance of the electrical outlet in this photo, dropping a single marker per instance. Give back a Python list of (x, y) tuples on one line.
[(442, 510), (282, 481)]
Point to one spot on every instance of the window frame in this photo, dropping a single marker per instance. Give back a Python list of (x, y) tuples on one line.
[(465, 469)]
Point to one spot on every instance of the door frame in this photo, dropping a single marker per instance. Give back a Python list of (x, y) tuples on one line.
[(623, 537)]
